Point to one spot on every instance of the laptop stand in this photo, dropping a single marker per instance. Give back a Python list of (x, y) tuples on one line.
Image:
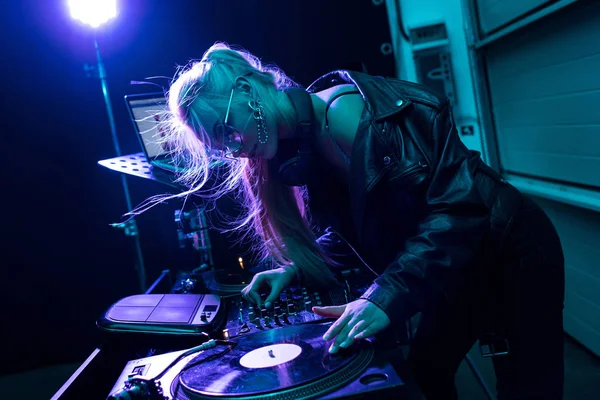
[(137, 165)]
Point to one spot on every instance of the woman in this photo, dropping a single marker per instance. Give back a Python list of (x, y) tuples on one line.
[(380, 162)]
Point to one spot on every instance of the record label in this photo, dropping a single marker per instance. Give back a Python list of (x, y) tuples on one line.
[(270, 356)]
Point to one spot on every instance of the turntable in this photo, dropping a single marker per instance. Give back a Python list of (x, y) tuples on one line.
[(288, 363)]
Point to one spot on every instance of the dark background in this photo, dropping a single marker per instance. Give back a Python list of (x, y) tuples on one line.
[(62, 264)]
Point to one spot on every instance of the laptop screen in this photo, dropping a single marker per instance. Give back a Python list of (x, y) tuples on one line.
[(146, 112)]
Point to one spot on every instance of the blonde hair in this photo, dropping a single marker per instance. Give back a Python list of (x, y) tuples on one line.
[(276, 214)]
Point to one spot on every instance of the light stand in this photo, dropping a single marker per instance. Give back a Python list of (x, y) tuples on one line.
[(95, 13), (130, 226)]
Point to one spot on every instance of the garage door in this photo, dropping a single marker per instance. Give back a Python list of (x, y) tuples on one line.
[(543, 84), (545, 93), (494, 14)]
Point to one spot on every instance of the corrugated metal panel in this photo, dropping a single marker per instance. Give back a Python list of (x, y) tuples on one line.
[(496, 13), (579, 232), (545, 93)]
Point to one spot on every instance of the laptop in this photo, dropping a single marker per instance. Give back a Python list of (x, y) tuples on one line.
[(146, 111)]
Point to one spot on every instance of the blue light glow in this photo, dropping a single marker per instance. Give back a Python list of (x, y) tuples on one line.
[(93, 12)]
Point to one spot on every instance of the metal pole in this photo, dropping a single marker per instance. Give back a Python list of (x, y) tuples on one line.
[(130, 226)]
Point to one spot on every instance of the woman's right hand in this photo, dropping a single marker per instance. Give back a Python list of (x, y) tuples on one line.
[(274, 280)]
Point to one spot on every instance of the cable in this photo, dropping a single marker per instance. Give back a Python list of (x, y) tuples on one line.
[(204, 346), (231, 346), (328, 230)]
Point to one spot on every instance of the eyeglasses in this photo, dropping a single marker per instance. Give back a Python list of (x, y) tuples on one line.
[(228, 136)]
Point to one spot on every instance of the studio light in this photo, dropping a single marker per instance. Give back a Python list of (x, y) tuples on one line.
[(93, 12)]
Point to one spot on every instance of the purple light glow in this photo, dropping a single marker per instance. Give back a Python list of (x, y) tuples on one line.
[(93, 12)]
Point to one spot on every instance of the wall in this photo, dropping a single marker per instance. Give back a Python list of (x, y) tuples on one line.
[(423, 12)]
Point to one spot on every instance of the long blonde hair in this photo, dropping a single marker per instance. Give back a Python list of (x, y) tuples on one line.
[(275, 215)]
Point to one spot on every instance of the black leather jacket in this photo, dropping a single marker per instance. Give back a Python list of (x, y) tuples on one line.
[(425, 209)]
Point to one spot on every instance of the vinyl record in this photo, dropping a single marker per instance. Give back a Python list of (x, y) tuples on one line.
[(287, 363)]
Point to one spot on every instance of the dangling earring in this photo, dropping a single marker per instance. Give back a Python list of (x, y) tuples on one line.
[(258, 113)]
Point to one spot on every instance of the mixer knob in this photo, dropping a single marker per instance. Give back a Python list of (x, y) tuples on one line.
[(291, 308), (252, 315), (189, 284), (308, 305)]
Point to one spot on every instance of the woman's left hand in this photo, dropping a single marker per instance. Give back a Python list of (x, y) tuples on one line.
[(356, 320)]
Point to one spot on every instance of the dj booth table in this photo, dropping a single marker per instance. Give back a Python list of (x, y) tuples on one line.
[(98, 374)]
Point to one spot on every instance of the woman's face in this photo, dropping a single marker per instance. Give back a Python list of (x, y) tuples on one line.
[(245, 130)]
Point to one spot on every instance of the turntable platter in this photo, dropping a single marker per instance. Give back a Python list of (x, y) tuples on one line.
[(288, 363)]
